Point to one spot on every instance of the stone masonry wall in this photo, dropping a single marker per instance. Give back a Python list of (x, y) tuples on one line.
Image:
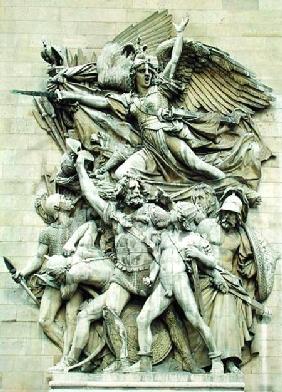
[(251, 30)]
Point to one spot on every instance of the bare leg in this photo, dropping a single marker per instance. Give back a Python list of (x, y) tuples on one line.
[(93, 311), (50, 304), (134, 162), (72, 307), (184, 154), (117, 298), (185, 298), (155, 305)]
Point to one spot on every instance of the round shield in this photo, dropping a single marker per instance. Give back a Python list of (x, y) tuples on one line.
[(162, 344)]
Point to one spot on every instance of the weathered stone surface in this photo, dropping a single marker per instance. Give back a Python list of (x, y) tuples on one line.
[(147, 382), (251, 35)]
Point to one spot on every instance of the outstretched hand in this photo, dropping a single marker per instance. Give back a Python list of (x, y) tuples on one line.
[(192, 252), (182, 25), (219, 282), (68, 249), (17, 276)]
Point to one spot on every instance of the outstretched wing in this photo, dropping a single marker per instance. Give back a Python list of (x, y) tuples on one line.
[(214, 81), (152, 31)]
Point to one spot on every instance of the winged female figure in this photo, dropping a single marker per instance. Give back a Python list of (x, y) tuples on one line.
[(191, 106), (164, 139)]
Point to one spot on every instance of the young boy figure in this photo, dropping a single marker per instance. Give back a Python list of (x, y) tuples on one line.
[(178, 242)]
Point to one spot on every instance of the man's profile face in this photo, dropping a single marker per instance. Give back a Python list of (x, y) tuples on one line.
[(187, 224)]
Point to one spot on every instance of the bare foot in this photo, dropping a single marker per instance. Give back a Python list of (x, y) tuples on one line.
[(217, 366), (62, 366), (144, 365), (232, 368), (117, 366)]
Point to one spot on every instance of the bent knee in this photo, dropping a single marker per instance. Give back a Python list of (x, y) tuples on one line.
[(82, 315), (143, 320), (120, 172), (45, 322), (112, 306)]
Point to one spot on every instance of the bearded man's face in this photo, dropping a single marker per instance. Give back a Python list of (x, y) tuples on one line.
[(228, 220), (134, 196)]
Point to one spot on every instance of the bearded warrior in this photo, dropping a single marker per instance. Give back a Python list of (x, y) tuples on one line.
[(247, 265)]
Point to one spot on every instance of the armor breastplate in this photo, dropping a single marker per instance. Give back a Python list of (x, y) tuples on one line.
[(58, 236), (132, 254), (145, 109)]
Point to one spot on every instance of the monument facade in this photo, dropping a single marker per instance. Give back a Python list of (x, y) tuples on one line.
[(148, 262)]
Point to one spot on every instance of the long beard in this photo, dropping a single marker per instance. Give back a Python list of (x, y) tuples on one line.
[(134, 201), (227, 225)]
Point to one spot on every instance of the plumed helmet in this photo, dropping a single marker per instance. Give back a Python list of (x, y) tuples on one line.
[(232, 203), (142, 58)]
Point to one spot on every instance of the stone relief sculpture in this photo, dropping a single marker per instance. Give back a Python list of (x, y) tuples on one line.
[(147, 248)]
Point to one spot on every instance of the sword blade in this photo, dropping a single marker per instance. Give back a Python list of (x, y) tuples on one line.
[(9, 266), (21, 281), (32, 93)]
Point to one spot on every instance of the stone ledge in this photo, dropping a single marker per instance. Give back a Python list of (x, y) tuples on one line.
[(146, 382)]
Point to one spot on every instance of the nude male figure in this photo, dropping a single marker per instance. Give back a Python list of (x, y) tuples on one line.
[(174, 283)]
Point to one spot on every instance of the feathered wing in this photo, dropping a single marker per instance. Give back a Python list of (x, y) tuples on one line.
[(152, 31), (214, 81)]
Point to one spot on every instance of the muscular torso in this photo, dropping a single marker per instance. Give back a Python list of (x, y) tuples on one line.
[(145, 109), (225, 244), (95, 273), (172, 242), (86, 248)]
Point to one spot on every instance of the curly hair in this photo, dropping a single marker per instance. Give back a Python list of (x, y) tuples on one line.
[(41, 211), (204, 196), (122, 189)]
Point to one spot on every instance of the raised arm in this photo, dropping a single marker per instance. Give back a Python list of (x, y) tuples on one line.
[(176, 50), (88, 188)]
